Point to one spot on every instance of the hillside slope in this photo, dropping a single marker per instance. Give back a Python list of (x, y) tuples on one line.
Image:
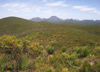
[(14, 25)]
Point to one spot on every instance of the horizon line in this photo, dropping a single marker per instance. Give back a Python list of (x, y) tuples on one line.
[(51, 16)]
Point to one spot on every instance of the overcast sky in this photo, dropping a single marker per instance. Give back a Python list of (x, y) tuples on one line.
[(65, 9)]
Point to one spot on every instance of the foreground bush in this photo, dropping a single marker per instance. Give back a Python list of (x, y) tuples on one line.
[(50, 49), (83, 52), (64, 49), (17, 52), (23, 56)]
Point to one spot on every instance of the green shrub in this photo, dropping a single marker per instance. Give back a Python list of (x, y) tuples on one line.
[(22, 62), (78, 50), (17, 53), (85, 52), (50, 49), (56, 60), (5, 64), (25, 63), (64, 49), (53, 43)]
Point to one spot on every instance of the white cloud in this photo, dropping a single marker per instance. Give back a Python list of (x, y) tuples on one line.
[(58, 3), (98, 12), (84, 8), (20, 7), (14, 5)]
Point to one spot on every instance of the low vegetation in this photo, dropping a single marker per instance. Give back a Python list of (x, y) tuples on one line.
[(48, 47)]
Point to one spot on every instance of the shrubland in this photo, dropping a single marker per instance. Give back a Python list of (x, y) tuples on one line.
[(48, 47)]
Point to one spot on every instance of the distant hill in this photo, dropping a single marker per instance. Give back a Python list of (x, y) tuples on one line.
[(55, 19), (90, 22), (84, 22), (15, 25)]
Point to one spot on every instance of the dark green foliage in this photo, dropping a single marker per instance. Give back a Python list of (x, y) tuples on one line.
[(78, 50), (82, 51), (85, 52), (22, 63), (64, 49), (53, 43), (50, 49)]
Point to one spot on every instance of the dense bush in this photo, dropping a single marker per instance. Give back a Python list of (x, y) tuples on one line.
[(78, 50), (64, 49), (29, 52), (50, 49), (85, 52), (17, 53), (82, 51)]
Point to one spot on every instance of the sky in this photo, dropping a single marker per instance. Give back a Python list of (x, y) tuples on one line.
[(65, 9)]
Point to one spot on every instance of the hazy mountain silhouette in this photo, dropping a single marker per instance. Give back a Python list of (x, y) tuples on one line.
[(51, 19), (55, 19)]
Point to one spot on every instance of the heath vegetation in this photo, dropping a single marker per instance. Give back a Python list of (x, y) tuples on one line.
[(27, 46)]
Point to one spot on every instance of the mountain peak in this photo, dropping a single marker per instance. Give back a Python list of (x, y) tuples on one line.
[(51, 19), (55, 18), (37, 19)]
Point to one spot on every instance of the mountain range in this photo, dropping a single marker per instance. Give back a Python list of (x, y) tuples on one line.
[(55, 19), (51, 19)]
